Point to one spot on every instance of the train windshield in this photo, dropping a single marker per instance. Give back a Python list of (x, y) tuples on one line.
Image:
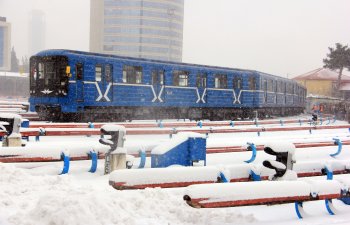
[(48, 76)]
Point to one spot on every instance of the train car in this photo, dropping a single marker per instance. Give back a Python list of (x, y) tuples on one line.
[(68, 85)]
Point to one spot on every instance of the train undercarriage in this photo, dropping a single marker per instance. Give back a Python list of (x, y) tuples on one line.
[(107, 114)]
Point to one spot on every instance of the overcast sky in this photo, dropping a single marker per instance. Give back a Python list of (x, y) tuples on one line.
[(281, 37)]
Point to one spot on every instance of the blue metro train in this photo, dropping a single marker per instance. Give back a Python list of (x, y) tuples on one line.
[(68, 85)]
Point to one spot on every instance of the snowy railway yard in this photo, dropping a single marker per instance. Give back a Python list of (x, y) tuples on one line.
[(35, 193)]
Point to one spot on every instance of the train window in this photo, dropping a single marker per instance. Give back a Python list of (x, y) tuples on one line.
[(41, 71), (280, 87), (275, 86), (33, 75), (252, 83), (132, 74), (220, 81), (237, 83), (264, 84), (50, 72), (108, 73), (270, 85), (201, 80), (79, 71), (98, 73), (180, 78), (157, 77)]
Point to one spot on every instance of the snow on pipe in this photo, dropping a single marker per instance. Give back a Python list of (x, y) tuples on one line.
[(163, 177), (264, 192), (338, 142), (251, 147)]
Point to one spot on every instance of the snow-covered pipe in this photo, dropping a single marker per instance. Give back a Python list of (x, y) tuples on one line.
[(163, 177), (264, 192)]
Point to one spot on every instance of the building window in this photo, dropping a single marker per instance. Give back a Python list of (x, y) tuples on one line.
[(108, 73), (79, 71), (201, 80), (252, 83), (220, 81), (98, 73), (132, 74), (237, 83), (108, 47), (180, 78)]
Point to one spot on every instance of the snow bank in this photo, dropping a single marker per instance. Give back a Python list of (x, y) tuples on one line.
[(65, 200)]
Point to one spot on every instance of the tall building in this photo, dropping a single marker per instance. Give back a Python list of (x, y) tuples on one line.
[(5, 45), (37, 31), (138, 28)]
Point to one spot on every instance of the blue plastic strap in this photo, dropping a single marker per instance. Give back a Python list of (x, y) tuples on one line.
[(142, 155), (329, 206), (232, 124), (340, 145), (254, 176), (93, 156), (66, 160), (252, 146), (329, 173), (299, 209), (223, 178), (200, 124)]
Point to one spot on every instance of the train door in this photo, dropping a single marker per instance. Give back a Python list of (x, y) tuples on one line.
[(158, 84), (252, 89), (201, 83), (79, 75), (103, 78), (237, 87), (264, 87)]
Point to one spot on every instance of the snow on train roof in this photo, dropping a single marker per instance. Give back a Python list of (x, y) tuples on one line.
[(75, 52)]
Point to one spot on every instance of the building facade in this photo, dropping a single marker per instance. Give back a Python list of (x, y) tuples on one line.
[(5, 45), (37, 31), (323, 82), (138, 28)]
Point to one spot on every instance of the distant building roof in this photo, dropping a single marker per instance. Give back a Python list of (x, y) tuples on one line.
[(322, 74)]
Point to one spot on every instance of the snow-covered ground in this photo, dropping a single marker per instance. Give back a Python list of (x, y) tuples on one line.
[(33, 193)]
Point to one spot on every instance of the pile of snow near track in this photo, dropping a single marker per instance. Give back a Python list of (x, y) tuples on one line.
[(66, 200)]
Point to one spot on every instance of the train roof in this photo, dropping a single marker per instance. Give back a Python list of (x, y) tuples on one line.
[(66, 51)]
